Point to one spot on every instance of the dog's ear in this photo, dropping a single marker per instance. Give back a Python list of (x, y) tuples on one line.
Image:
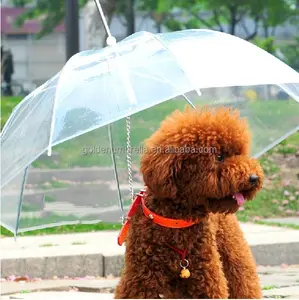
[(160, 171)]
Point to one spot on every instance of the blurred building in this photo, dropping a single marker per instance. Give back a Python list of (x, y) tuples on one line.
[(34, 60)]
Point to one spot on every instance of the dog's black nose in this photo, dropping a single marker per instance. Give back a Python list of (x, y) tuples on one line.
[(253, 178)]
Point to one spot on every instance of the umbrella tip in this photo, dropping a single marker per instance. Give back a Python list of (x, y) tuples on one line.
[(50, 151), (111, 40)]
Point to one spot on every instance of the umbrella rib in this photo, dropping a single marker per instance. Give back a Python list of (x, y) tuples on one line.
[(276, 142), (53, 122), (18, 107), (20, 124), (165, 80), (182, 69), (114, 168), (21, 201)]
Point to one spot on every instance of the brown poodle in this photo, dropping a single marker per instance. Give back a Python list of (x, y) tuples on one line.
[(183, 238)]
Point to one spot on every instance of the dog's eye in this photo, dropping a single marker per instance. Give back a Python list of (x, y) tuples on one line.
[(220, 157)]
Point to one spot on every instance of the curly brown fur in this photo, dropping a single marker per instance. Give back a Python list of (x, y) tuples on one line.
[(190, 185)]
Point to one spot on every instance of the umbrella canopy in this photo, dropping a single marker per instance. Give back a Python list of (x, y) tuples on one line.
[(100, 87)]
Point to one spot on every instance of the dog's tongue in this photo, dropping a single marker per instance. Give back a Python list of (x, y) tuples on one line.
[(239, 198)]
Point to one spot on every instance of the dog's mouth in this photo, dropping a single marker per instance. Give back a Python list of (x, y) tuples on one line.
[(230, 203), (240, 197)]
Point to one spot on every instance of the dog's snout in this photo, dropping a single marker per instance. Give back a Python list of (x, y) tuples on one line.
[(253, 178)]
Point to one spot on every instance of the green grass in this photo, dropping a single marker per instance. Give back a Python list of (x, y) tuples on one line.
[(30, 207), (48, 245), (272, 111), (71, 153), (26, 222), (293, 140), (7, 105), (291, 226), (268, 118), (289, 146), (262, 206), (268, 165), (66, 229), (50, 199), (287, 150), (78, 243), (53, 184), (269, 287), (53, 218), (93, 148)]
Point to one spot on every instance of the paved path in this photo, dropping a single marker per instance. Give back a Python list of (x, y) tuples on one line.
[(280, 282), (105, 242), (59, 296), (97, 253)]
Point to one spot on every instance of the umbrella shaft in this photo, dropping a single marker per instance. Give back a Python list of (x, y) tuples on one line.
[(98, 4)]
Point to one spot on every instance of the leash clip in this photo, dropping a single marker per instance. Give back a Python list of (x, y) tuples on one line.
[(124, 219)]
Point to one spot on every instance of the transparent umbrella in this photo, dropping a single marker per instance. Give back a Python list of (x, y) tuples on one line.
[(145, 76)]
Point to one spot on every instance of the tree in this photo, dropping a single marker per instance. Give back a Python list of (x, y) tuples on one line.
[(276, 14), (127, 9), (130, 16), (290, 54), (268, 44), (52, 12), (223, 15), (159, 11)]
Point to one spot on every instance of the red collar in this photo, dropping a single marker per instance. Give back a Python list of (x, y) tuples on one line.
[(162, 221)]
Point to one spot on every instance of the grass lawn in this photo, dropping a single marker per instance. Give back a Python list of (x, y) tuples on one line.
[(269, 203), (273, 201), (66, 229), (7, 105), (73, 153)]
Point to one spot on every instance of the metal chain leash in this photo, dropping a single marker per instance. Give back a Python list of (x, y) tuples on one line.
[(129, 157)]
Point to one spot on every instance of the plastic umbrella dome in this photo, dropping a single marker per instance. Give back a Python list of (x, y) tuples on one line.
[(102, 87)]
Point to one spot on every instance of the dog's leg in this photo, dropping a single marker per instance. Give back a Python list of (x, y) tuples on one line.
[(141, 283), (134, 288), (209, 280), (238, 262)]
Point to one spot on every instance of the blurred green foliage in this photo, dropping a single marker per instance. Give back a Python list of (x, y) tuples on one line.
[(291, 54), (222, 15), (268, 44)]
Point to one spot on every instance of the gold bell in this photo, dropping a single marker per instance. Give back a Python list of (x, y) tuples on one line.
[(185, 273)]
